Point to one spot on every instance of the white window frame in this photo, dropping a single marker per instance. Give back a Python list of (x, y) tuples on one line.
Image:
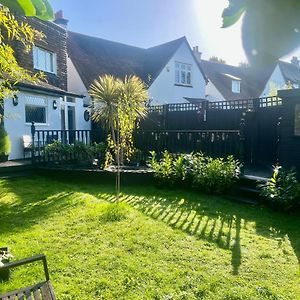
[(40, 60), (236, 86), (181, 73), (29, 102)]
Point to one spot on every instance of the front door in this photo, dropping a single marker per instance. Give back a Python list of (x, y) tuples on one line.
[(71, 124)]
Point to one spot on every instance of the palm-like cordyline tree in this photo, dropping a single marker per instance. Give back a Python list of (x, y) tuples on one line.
[(120, 105)]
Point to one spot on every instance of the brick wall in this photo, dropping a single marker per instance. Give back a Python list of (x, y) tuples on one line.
[(55, 41)]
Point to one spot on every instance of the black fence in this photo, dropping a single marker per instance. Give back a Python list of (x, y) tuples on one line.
[(255, 120), (260, 131), (215, 143), (42, 139)]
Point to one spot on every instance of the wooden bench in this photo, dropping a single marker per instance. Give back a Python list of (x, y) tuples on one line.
[(39, 291)]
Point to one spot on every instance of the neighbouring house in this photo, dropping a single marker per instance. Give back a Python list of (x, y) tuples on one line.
[(51, 105), (171, 71), (285, 75), (228, 82)]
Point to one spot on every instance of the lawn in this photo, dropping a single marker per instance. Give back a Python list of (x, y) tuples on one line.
[(156, 244)]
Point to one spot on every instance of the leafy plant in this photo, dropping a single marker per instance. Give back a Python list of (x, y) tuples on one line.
[(58, 148), (163, 169), (31, 8), (11, 73), (210, 175), (260, 29), (120, 104), (5, 144), (281, 191), (214, 175)]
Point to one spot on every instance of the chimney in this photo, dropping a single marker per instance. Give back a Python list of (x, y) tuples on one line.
[(295, 61), (197, 53), (60, 20)]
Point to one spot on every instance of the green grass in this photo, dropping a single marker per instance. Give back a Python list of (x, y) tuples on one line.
[(156, 244)]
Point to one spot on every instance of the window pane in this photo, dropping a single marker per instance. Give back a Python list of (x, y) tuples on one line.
[(182, 66), (182, 77), (188, 78), (236, 86), (177, 66), (35, 57), (189, 68), (177, 76), (43, 60), (35, 114)]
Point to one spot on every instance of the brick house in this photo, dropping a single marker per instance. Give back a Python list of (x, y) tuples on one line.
[(50, 105)]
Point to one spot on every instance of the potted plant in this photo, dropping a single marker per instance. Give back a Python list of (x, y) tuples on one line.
[(5, 257), (5, 145)]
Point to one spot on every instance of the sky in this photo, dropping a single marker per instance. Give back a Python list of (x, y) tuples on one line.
[(147, 23)]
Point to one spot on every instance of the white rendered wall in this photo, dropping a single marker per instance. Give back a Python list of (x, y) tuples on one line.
[(75, 84), (163, 90), (212, 94), (16, 127), (276, 80)]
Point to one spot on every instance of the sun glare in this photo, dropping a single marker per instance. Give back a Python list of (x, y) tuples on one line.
[(217, 41)]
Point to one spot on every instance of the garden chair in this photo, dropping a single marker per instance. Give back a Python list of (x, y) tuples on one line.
[(39, 291), (27, 144)]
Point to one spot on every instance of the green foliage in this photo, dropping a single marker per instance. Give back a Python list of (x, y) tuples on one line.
[(10, 71), (78, 150), (214, 175), (233, 12), (30, 8), (120, 104), (260, 30), (210, 175), (170, 168), (282, 190), (59, 148), (5, 144)]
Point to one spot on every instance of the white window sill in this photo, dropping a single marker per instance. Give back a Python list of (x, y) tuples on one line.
[(183, 85), (49, 72), (38, 124)]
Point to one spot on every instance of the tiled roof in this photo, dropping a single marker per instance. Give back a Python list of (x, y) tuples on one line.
[(290, 71), (93, 57), (252, 80)]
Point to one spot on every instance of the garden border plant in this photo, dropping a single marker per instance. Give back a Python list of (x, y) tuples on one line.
[(282, 191), (207, 174)]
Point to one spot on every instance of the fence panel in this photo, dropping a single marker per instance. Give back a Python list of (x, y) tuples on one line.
[(215, 143)]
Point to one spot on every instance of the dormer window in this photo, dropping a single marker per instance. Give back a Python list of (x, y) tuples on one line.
[(183, 74), (236, 86), (44, 60)]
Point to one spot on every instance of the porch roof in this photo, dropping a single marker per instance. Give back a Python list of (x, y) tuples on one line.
[(46, 88)]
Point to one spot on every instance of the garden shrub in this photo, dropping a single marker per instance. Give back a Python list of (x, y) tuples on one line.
[(210, 175), (78, 150), (5, 145), (282, 190), (213, 175), (170, 168)]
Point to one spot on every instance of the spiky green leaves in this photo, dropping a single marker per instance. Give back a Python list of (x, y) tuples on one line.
[(31, 8)]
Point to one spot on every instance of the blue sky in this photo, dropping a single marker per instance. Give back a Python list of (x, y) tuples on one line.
[(146, 23)]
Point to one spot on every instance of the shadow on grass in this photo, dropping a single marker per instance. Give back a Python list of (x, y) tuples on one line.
[(211, 218), (208, 218), (29, 201)]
